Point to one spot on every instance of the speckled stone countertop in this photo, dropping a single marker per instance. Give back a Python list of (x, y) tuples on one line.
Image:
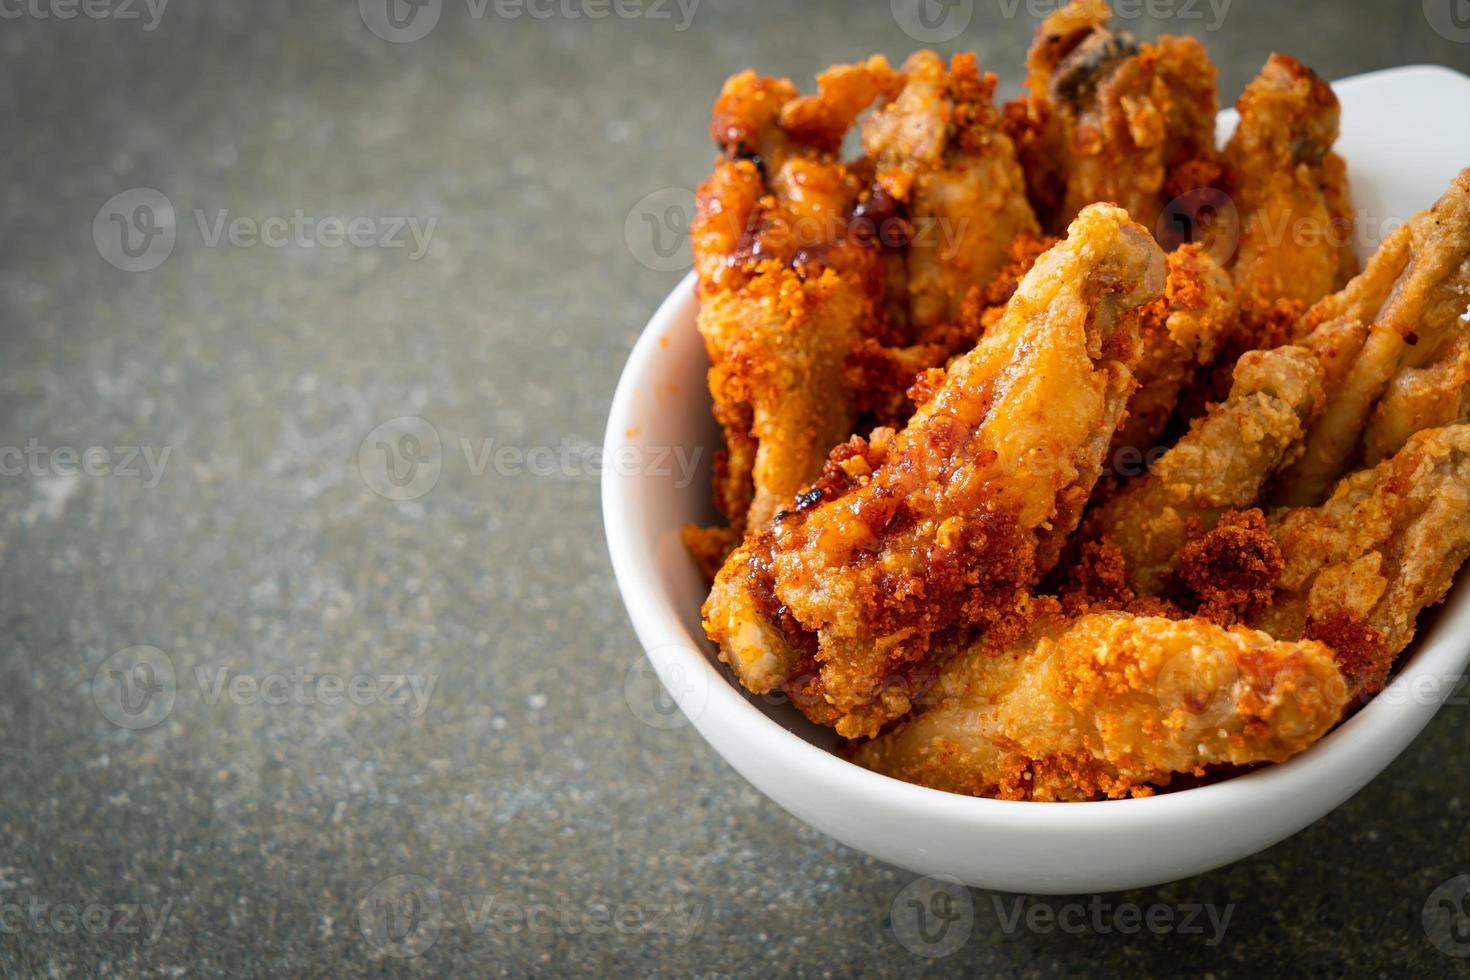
[(212, 583)]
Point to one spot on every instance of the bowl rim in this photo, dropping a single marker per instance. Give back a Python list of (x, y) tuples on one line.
[(1336, 765)]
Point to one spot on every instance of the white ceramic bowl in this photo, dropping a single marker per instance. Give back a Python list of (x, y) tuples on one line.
[(1406, 133)]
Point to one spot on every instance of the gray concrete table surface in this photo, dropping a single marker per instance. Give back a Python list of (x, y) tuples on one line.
[(274, 806)]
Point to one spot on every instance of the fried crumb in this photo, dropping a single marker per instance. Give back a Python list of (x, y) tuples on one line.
[(1361, 651), (1193, 175), (1097, 579), (1233, 569)]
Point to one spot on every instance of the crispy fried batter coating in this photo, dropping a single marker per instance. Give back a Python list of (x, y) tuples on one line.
[(843, 92), (1196, 313), (1290, 188), (1221, 464), (786, 288), (882, 375), (1111, 705), (1361, 567), (1233, 569), (943, 159), (1428, 397), (1423, 306), (889, 584), (1110, 119), (915, 537), (1096, 580)]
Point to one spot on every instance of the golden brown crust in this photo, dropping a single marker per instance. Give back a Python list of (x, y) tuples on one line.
[(1183, 333), (1420, 398), (1233, 569), (787, 287), (1222, 463), (1296, 227), (943, 162), (1112, 705), (888, 584), (1385, 546), (1410, 302), (1110, 119), (941, 528), (884, 376), (822, 120)]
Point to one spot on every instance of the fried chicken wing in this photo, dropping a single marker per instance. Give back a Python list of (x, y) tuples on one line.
[(1111, 705), (1222, 463), (1110, 119), (786, 288), (882, 374), (1290, 188), (1197, 312), (1421, 313), (914, 537), (1361, 567), (1421, 398), (943, 162)]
